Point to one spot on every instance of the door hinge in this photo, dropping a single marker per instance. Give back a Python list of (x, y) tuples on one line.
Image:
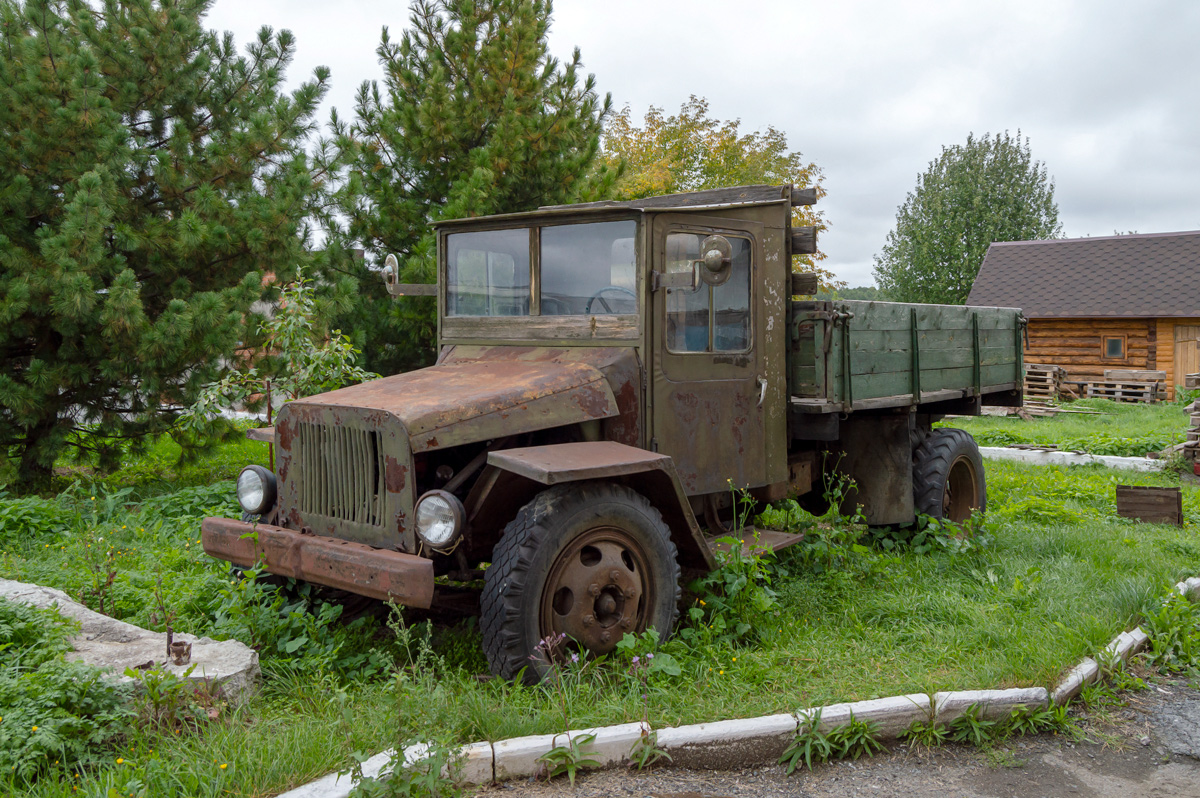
[(654, 444)]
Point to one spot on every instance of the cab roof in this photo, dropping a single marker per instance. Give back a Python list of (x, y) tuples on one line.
[(692, 200)]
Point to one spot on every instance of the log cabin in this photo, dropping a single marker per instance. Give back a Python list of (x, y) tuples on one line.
[(1095, 304)]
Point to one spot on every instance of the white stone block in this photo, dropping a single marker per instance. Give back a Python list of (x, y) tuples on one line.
[(518, 758), (339, 785), (891, 715), (993, 704), (612, 744), (1086, 672), (1191, 588), (1119, 650), (474, 765), (1140, 639), (729, 744)]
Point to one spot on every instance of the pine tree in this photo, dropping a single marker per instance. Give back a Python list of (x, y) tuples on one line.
[(149, 177), (474, 117)]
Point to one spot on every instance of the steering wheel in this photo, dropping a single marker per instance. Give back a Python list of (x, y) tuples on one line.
[(597, 297)]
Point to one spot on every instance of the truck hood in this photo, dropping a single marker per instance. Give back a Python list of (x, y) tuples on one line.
[(460, 402)]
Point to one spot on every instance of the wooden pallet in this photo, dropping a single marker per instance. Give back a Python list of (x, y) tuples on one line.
[(1042, 381), (1145, 392)]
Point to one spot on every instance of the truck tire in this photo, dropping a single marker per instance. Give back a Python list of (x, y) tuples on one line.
[(948, 481), (591, 561)]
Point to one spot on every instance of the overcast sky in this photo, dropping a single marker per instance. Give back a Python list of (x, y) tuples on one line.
[(1107, 92)]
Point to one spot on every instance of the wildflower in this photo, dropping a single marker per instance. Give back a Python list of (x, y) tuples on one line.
[(721, 673), (650, 656), (224, 765), (702, 603), (574, 657), (636, 660), (120, 761), (735, 659), (35, 728)]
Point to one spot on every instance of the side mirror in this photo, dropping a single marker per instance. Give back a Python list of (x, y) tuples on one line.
[(716, 256), (391, 277)]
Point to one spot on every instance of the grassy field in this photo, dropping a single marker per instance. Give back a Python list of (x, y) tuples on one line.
[(1123, 429), (1052, 576)]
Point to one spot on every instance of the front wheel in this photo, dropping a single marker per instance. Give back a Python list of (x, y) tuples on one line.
[(589, 562), (948, 481)]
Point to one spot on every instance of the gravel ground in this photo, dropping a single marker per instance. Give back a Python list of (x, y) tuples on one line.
[(1150, 748)]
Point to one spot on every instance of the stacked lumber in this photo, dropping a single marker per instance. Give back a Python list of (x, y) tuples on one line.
[(1042, 382), (1191, 382)]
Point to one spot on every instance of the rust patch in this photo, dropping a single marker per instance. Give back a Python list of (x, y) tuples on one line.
[(395, 474), (686, 406)]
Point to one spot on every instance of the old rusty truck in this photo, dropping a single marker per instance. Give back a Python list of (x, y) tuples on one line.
[(605, 373)]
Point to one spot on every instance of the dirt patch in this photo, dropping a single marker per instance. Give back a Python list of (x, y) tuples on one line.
[(1145, 748)]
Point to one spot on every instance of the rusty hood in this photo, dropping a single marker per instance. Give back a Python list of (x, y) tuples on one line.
[(460, 402)]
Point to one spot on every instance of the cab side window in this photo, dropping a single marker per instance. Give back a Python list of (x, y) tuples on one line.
[(708, 318)]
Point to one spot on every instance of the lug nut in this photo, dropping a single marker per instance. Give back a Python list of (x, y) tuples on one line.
[(605, 638), (594, 589), (630, 592), (588, 620), (626, 623), (614, 575)]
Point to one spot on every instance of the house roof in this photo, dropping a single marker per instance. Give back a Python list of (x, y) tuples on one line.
[(1156, 274)]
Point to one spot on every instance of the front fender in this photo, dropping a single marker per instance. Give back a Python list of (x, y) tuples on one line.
[(515, 473)]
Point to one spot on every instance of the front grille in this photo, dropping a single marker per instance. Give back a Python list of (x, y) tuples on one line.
[(341, 473)]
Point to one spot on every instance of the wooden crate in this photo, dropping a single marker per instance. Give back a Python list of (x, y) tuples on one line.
[(1150, 505), (1119, 391)]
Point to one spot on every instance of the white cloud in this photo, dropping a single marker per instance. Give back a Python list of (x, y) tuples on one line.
[(1107, 91)]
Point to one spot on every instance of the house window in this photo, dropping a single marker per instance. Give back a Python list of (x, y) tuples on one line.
[(1114, 347)]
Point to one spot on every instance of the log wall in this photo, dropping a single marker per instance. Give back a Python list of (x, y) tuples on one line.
[(1077, 345)]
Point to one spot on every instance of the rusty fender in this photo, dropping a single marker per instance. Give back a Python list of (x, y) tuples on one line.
[(379, 573)]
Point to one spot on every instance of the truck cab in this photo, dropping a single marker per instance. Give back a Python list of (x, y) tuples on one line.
[(607, 374)]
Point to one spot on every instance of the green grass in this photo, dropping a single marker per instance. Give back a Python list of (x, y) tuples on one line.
[(1061, 576), (1121, 429)]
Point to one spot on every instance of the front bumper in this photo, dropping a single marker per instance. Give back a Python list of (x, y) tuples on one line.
[(356, 567)]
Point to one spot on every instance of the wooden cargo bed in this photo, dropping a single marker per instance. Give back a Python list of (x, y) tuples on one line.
[(849, 355)]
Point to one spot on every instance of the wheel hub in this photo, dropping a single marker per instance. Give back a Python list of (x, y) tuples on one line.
[(597, 589), (959, 497)]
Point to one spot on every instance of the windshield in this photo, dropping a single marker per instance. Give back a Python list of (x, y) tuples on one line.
[(487, 273), (589, 269), (584, 269)]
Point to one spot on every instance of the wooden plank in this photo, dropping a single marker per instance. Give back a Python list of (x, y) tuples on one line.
[(1134, 375), (1150, 504)]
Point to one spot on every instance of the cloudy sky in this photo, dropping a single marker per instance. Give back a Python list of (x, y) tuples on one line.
[(1108, 92)]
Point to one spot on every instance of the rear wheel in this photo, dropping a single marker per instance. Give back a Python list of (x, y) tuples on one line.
[(948, 480), (584, 562)]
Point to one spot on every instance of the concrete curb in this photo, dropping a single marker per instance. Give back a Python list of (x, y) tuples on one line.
[(1039, 457), (726, 744)]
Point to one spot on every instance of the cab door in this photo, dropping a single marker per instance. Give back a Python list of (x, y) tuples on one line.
[(708, 386)]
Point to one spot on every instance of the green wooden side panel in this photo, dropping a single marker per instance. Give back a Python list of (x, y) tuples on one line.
[(888, 350)]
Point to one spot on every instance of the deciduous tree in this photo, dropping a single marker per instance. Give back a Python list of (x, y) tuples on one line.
[(149, 174), (473, 117), (989, 189), (690, 151)]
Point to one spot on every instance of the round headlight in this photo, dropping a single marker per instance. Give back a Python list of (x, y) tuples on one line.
[(439, 518), (256, 489)]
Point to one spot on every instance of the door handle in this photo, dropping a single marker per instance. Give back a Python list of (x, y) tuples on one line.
[(762, 390)]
